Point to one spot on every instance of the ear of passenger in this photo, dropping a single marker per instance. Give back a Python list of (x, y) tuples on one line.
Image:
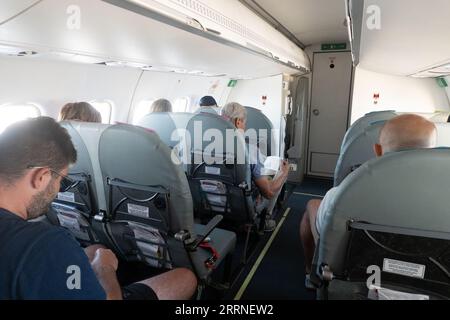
[(39, 179), (378, 150), (240, 124)]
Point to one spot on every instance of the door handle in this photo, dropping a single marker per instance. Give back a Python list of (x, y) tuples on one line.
[(316, 112)]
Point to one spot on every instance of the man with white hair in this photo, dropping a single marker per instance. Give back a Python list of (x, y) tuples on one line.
[(269, 188)]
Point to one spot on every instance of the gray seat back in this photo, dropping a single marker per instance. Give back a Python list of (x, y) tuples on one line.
[(443, 134), (166, 125), (219, 169), (357, 151), (144, 160), (76, 208), (256, 120), (406, 189), (90, 134), (364, 122)]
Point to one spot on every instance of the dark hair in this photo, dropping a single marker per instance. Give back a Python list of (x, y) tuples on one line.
[(38, 142), (80, 111), (207, 101)]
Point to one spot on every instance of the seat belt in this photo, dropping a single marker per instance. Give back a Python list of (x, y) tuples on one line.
[(210, 262)]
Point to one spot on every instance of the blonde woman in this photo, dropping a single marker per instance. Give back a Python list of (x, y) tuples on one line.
[(161, 105)]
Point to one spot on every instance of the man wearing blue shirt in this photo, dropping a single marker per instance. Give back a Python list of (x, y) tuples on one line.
[(40, 261)]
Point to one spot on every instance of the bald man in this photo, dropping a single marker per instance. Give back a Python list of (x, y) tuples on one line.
[(400, 133)]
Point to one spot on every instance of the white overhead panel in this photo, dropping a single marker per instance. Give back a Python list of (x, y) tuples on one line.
[(405, 37), (12, 8), (311, 21), (160, 35)]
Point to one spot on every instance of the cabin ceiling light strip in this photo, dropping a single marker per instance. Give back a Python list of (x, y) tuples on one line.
[(442, 70), (126, 64), (16, 51)]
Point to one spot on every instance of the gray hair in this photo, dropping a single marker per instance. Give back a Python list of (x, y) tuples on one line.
[(161, 105), (234, 111)]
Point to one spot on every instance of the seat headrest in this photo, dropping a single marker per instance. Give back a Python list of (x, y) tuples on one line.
[(364, 122), (142, 157), (443, 134), (357, 151), (407, 189), (206, 129), (256, 120)]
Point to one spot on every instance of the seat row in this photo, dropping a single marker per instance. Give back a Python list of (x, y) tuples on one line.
[(357, 146), (387, 225), (128, 192)]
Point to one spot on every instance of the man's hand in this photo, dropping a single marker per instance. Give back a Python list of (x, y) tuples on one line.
[(105, 259), (105, 265), (284, 167)]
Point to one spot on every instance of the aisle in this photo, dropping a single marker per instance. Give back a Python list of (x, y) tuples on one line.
[(279, 271)]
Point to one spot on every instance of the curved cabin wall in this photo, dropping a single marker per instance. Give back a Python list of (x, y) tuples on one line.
[(402, 94), (51, 84)]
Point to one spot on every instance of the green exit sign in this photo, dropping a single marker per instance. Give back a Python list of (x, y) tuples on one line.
[(334, 46), (442, 82), (232, 83)]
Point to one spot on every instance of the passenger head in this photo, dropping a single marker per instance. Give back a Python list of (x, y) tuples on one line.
[(36, 154), (236, 114), (161, 105), (80, 111), (404, 132), (208, 101)]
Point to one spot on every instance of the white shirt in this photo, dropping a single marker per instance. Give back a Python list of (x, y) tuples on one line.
[(323, 212)]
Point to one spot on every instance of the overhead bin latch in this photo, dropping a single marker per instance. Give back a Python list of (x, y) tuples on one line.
[(195, 24)]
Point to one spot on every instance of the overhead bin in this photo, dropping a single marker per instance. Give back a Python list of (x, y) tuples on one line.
[(402, 37), (230, 21), (220, 38)]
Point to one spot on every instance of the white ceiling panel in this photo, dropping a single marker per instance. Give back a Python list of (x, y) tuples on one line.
[(413, 36), (311, 21)]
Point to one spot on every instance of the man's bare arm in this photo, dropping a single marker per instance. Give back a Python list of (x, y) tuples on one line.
[(270, 188), (105, 266)]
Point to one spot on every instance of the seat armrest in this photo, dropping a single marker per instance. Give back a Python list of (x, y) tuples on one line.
[(209, 228)]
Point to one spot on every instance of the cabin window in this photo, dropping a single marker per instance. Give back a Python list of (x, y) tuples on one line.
[(142, 110), (181, 105), (105, 109), (11, 113)]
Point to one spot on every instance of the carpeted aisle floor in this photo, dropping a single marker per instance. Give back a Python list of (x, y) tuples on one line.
[(280, 274)]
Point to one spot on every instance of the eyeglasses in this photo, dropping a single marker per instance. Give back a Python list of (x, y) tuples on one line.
[(66, 183)]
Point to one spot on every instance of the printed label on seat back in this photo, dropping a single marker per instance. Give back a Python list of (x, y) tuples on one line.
[(402, 268), (138, 211)]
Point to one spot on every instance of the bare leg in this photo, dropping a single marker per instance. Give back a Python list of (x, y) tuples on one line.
[(178, 284), (90, 251), (307, 234)]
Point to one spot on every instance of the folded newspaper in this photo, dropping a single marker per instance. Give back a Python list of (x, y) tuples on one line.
[(271, 166)]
